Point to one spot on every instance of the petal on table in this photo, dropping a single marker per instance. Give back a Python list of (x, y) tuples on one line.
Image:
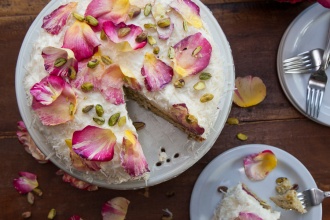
[(189, 12), (81, 39), (131, 155), (26, 182), (48, 89), (324, 3), (60, 110), (29, 145), (249, 91), (157, 73), (159, 12), (248, 216), (75, 217), (181, 113), (51, 54), (125, 43), (108, 10), (79, 184), (56, 20), (115, 209), (93, 143), (187, 61), (258, 166)]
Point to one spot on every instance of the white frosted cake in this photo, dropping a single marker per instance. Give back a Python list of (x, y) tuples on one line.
[(91, 55), (240, 203)]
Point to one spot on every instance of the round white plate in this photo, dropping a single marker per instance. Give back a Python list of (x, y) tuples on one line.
[(227, 170), (308, 31), (154, 137)]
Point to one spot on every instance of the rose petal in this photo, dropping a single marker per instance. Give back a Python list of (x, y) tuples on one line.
[(185, 62), (130, 80), (60, 110), (51, 54), (85, 74), (75, 217), (79, 184), (108, 10), (48, 89), (181, 113), (249, 91), (157, 73), (159, 12), (56, 20), (189, 12), (93, 143), (126, 43), (258, 166), (324, 3), (115, 209), (29, 145), (248, 216), (26, 182), (81, 39), (132, 157)]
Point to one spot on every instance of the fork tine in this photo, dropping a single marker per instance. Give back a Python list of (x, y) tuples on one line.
[(319, 103), (308, 100), (312, 102), (303, 54)]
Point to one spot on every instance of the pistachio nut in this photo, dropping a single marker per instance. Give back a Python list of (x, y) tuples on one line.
[(206, 97), (163, 23), (242, 137), (179, 83), (196, 51), (151, 40), (87, 108), (71, 108), (106, 60), (205, 76), (72, 73), (232, 121), (30, 198), (93, 63), (122, 32), (134, 11), (171, 53), (78, 16), (122, 121), (37, 191), (156, 50), (147, 9), (139, 125), (114, 119), (99, 120), (99, 110), (51, 214), (103, 36), (185, 25), (141, 37), (87, 86), (91, 20), (149, 25), (199, 85), (60, 62), (191, 119)]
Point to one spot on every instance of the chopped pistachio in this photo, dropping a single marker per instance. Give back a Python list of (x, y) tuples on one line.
[(232, 121), (196, 51), (99, 110), (141, 37), (122, 32), (122, 121), (114, 119), (91, 20), (205, 76), (60, 62), (156, 50), (71, 108), (26, 214), (139, 125), (191, 119), (171, 53), (78, 16), (93, 63), (106, 60), (87, 108), (72, 73), (242, 137), (179, 83), (51, 214), (147, 9), (149, 25), (87, 86), (206, 97), (151, 40), (199, 85), (30, 198), (103, 36), (99, 120), (185, 25), (37, 191), (163, 23), (134, 11)]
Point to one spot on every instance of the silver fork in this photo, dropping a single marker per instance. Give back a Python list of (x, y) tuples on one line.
[(306, 62), (312, 197), (316, 84)]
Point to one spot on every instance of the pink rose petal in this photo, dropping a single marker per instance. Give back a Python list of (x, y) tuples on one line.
[(79, 184), (126, 43), (85, 74), (159, 11), (157, 73), (115, 209), (29, 145), (248, 216), (108, 10), (26, 182), (181, 112), (258, 166), (189, 11), (55, 21), (81, 39), (324, 3), (51, 54), (185, 63), (75, 217), (165, 33), (60, 110), (132, 157), (93, 143)]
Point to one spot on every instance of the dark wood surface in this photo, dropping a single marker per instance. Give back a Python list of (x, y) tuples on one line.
[(254, 29)]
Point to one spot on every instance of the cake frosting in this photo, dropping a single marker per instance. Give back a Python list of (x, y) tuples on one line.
[(60, 136)]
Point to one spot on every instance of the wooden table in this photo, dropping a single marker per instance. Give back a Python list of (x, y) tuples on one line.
[(254, 29)]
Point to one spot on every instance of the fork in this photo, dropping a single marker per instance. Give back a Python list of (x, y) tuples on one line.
[(312, 197), (316, 84), (306, 62)]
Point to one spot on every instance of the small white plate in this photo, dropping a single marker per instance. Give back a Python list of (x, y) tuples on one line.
[(227, 170), (308, 31)]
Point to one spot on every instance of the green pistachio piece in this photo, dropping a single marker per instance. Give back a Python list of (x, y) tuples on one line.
[(185, 25), (106, 60), (72, 73), (199, 85), (171, 53), (232, 121), (156, 50), (179, 83), (141, 37), (87, 86), (91, 20), (122, 32), (149, 25), (87, 108), (242, 137), (139, 125), (71, 108), (134, 11), (60, 62), (103, 36), (114, 119), (93, 63), (122, 121), (163, 23), (99, 120), (51, 214), (206, 97), (191, 119), (78, 16), (205, 76), (151, 40), (196, 51), (147, 9), (99, 110)]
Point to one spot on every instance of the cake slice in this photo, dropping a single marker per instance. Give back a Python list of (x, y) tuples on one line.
[(289, 200)]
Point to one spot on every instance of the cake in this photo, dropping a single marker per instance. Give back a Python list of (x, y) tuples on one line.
[(91, 55), (240, 203)]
